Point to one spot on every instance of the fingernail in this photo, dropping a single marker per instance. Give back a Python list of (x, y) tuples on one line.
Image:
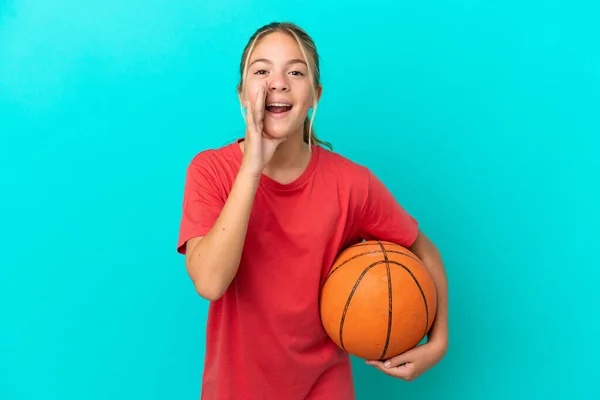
[(387, 364)]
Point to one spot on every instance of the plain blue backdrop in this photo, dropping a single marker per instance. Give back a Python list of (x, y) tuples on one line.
[(483, 118)]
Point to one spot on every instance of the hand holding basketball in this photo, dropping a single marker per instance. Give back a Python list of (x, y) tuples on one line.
[(258, 147), (413, 363)]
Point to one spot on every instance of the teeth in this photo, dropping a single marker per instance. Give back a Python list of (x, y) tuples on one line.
[(278, 105)]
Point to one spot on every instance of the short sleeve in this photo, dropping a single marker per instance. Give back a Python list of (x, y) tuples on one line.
[(202, 202), (383, 218)]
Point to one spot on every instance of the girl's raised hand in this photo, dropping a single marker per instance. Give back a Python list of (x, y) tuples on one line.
[(258, 147)]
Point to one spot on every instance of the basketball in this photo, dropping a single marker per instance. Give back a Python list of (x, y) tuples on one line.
[(378, 300)]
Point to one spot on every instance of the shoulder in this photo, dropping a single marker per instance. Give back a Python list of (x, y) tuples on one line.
[(343, 169), (216, 161), (225, 154), (216, 167), (333, 162)]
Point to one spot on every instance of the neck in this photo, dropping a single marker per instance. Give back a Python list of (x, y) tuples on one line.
[(293, 153)]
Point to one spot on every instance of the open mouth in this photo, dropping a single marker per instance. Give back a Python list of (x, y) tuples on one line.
[(278, 108)]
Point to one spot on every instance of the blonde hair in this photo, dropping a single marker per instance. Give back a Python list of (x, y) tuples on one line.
[(309, 51)]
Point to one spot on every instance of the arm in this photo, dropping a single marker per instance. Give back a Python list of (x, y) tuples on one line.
[(214, 252), (212, 260), (384, 218), (414, 362), (426, 250)]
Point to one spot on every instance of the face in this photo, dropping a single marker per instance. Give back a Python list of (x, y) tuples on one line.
[(277, 64)]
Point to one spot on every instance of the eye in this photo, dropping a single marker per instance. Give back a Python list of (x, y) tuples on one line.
[(260, 72), (297, 73)]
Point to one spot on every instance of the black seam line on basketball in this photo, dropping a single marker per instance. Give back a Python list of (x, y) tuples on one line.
[(389, 280), (350, 299), (350, 259), (376, 243), (371, 252), (363, 244), (420, 290)]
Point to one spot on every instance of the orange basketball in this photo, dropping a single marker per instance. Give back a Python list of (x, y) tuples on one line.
[(378, 300)]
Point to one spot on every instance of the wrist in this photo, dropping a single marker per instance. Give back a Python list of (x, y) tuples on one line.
[(246, 173)]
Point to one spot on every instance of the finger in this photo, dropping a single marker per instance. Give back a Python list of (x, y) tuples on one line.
[(250, 125), (259, 105), (379, 366), (406, 357), (405, 371), (384, 363), (249, 115)]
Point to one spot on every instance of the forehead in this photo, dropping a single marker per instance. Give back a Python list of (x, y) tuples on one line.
[(277, 46)]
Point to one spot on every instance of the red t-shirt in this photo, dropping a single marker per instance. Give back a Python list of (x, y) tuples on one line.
[(264, 337)]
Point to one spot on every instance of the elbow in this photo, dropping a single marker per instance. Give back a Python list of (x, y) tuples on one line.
[(211, 292), (209, 286), (210, 281)]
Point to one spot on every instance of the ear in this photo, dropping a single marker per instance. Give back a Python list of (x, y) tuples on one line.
[(240, 97), (319, 92)]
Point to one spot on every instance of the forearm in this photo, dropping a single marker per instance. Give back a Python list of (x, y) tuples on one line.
[(214, 261), (439, 329), (431, 257)]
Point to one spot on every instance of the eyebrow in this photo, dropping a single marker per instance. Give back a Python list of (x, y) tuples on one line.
[(293, 61)]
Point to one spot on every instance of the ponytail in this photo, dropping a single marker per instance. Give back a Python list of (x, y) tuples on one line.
[(311, 138)]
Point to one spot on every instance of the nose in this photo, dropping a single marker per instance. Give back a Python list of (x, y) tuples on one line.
[(278, 83)]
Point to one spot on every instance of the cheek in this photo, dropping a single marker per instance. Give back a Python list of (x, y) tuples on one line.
[(306, 98)]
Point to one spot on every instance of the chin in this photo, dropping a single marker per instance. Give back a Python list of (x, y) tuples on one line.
[(280, 131)]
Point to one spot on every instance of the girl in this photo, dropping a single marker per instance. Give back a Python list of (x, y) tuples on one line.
[(263, 220)]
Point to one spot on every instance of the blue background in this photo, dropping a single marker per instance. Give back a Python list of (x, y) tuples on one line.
[(481, 116)]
